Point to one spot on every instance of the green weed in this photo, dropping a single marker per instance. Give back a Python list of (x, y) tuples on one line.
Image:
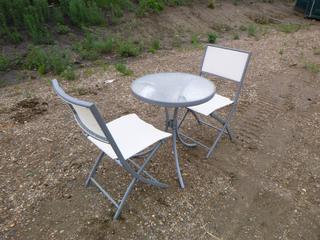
[(62, 29), (150, 6), (53, 60), (252, 30), (195, 40), (212, 4), (289, 27), (155, 46), (4, 63), (236, 36), (123, 69), (91, 48), (68, 74), (85, 13), (128, 49), (212, 37)]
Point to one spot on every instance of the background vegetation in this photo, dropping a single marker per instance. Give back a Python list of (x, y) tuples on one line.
[(37, 18)]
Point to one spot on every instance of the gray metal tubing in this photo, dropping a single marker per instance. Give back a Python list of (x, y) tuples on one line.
[(210, 125), (133, 182), (224, 127), (222, 121), (183, 118), (126, 195), (195, 141), (174, 142), (145, 172), (94, 168), (143, 153), (167, 119), (104, 192), (184, 142), (196, 116)]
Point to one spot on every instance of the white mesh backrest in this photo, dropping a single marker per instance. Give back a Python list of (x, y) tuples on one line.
[(87, 118), (226, 63)]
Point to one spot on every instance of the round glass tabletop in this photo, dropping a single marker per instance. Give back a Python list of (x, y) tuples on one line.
[(173, 89)]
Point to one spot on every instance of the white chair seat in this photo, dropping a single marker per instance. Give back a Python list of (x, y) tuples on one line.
[(212, 105), (131, 134)]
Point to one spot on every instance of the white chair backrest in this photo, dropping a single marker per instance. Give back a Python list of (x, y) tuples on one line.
[(226, 63), (85, 113), (87, 119)]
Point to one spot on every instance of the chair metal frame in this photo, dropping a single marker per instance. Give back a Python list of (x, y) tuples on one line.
[(108, 138), (225, 122)]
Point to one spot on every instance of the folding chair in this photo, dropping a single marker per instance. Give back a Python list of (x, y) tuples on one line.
[(122, 139), (228, 64)]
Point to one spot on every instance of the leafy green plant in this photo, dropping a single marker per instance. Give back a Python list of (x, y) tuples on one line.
[(212, 4), (37, 31), (91, 48), (54, 59), (59, 60), (252, 30), (128, 49), (123, 69), (195, 40), (63, 29), (36, 59), (212, 37), (68, 74), (150, 6), (4, 63), (103, 45), (85, 13), (155, 46)]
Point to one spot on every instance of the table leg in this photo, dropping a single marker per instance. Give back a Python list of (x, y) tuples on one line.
[(172, 123)]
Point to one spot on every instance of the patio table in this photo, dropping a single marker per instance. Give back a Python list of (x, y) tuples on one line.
[(174, 91)]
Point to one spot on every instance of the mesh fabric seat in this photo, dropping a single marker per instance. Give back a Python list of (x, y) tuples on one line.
[(122, 139), (130, 140)]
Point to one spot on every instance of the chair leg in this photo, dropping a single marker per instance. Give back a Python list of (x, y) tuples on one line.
[(135, 180), (94, 168), (223, 122), (217, 140), (126, 195)]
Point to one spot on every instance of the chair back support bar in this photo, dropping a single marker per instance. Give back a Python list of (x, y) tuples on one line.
[(84, 113), (225, 62)]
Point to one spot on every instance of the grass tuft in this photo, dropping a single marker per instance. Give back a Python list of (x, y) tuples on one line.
[(212, 37), (123, 69), (155, 46), (289, 27), (4, 63), (252, 30), (128, 49), (312, 67)]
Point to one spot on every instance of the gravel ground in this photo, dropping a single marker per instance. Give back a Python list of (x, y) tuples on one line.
[(265, 185)]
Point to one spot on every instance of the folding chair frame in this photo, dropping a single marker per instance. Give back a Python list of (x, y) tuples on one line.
[(225, 122), (137, 175)]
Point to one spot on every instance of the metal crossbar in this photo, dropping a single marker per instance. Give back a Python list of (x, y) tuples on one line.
[(119, 206)]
